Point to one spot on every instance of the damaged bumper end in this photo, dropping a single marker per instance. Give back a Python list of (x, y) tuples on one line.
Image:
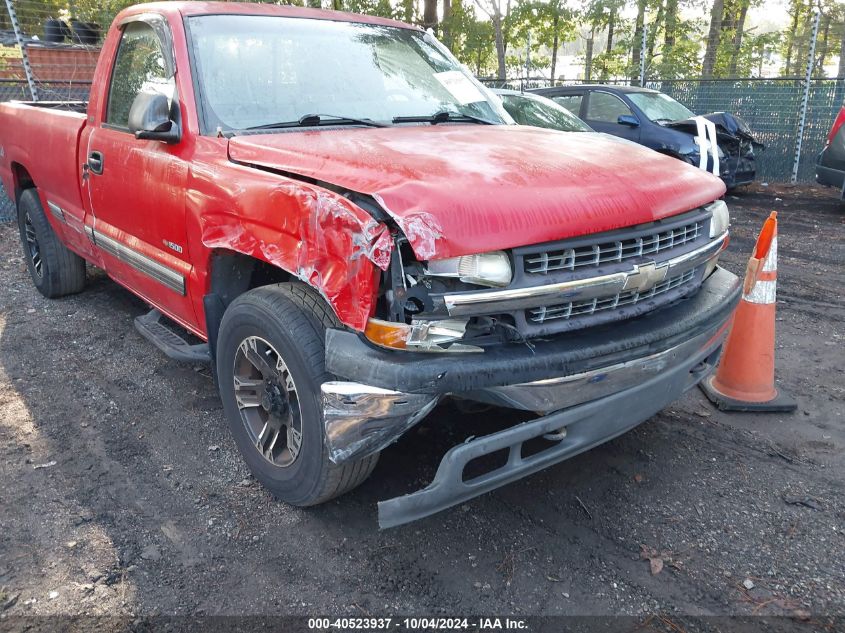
[(589, 389), (360, 419)]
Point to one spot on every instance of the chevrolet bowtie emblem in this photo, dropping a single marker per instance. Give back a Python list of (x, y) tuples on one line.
[(645, 276)]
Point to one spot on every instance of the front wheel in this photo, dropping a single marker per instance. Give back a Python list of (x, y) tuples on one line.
[(270, 365)]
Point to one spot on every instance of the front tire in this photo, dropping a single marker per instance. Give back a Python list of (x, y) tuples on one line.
[(56, 271), (270, 365)]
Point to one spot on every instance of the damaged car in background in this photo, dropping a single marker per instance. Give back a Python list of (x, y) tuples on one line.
[(347, 254), (720, 142)]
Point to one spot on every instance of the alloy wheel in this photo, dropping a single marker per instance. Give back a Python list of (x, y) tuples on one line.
[(268, 402), (32, 245)]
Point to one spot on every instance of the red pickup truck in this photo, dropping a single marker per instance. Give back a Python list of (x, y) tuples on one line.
[(337, 215)]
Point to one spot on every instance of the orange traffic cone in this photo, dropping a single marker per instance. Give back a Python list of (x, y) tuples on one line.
[(745, 378)]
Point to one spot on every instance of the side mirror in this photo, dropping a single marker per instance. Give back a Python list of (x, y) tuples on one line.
[(628, 119), (149, 118)]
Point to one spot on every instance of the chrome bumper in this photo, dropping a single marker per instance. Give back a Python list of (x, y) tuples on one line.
[(554, 394), (361, 419)]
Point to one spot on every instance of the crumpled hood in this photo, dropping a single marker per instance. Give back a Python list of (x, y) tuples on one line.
[(727, 125), (461, 189)]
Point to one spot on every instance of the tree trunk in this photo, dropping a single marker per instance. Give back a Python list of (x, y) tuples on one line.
[(737, 40), (652, 36), (588, 58), (823, 44), (638, 40), (555, 45), (841, 73), (503, 17), (713, 38), (670, 25), (430, 14), (611, 26), (791, 43), (500, 43), (447, 23), (408, 10)]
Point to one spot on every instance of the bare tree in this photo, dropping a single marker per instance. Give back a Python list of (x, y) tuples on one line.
[(670, 26), (652, 35), (716, 14), (611, 26), (447, 23), (790, 36), (841, 73), (430, 14), (739, 28), (588, 57), (493, 9), (823, 46)]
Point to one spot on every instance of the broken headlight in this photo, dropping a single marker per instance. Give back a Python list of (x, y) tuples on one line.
[(485, 269), (720, 219)]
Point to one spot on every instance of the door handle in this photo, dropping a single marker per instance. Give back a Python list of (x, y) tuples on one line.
[(95, 162)]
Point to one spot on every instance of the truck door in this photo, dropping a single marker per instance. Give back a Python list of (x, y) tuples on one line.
[(137, 187)]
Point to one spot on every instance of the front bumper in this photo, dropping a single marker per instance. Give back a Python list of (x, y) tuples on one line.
[(601, 382), (738, 171)]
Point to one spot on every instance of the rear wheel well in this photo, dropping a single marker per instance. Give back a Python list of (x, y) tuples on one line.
[(22, 180), (232, 274)]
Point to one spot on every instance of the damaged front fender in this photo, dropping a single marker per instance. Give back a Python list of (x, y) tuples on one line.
[(313, 233)]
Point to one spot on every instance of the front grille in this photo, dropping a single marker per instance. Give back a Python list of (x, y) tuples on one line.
[(608, 252), (575, 309)]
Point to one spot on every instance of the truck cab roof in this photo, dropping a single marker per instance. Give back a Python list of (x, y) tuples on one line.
[(251, 8)]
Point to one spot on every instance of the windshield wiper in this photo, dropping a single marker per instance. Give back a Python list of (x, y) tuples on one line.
[(442, 117), (314, 120)]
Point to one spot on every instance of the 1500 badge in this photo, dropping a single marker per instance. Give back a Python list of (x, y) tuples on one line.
[(173, 246)]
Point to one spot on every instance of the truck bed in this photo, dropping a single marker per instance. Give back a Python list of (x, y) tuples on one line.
[(70, 106), (44, 137)]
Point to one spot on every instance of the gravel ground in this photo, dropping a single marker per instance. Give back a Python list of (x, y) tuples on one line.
[(124, 494)]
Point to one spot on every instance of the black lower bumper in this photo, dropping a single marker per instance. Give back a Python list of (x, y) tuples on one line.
[(351, 357), (738, 171), (586, 426)]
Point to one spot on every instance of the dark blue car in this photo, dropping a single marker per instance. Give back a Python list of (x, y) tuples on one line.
[(656, 120)]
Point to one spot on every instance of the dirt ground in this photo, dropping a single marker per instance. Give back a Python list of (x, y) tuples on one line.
[(122, 492)]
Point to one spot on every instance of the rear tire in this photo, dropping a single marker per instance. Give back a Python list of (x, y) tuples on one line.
[(56, 271), (270, 365)]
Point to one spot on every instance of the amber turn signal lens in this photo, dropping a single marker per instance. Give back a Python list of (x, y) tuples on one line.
[(387, 334)]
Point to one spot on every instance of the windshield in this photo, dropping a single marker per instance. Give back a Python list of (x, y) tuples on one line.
[(660, 107), (542, 112), (261, 70)]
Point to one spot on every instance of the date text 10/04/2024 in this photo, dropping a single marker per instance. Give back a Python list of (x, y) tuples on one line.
[(417, 624)]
